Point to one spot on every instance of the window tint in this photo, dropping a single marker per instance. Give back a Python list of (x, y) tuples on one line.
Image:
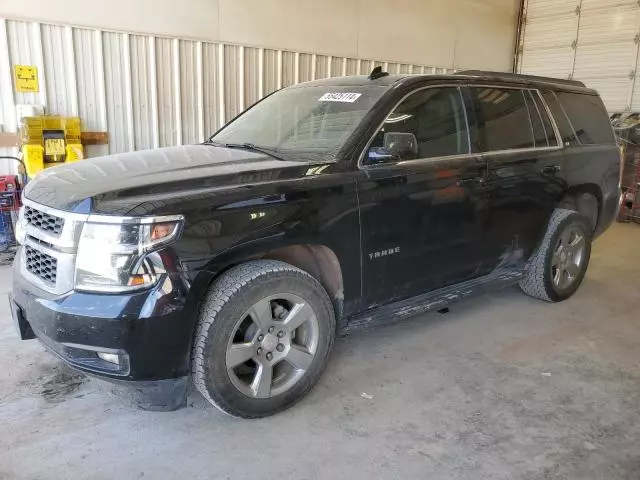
[(588, 117), (567, 134), (502, 119), (539, 133), (435, 116)]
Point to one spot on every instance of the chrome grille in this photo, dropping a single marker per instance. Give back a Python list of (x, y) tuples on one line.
[(44, 221), (41, 265), (51, 237)]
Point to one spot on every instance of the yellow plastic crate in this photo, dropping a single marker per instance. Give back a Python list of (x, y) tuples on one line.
[(32, 138), (75, 152), (33, 158)]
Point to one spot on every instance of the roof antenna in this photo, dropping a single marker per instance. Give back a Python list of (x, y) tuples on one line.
[(377, 73)]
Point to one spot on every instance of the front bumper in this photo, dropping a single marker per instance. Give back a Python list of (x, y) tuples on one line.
[(150, 331)]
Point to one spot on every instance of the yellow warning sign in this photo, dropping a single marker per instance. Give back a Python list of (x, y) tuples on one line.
[(26, 78), (54, 146)]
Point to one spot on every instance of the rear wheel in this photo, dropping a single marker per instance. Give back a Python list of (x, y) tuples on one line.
[(558, 266), (263, 338)]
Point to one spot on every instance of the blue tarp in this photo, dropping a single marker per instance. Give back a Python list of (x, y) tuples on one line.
[(6, 231)]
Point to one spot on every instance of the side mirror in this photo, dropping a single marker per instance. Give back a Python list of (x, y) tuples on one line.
[(397, 146)]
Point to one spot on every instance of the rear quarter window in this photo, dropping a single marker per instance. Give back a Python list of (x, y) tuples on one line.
[(588, 117)]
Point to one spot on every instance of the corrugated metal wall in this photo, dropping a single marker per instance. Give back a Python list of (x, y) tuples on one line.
[(595, 41), (150, 91)]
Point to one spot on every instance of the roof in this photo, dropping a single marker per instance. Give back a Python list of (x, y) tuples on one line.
[(355, 80), (512, 78)]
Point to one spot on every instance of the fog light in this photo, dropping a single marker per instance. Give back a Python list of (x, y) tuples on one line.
[(109, 357)]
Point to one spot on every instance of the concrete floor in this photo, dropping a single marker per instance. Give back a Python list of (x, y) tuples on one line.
[(503, 387)]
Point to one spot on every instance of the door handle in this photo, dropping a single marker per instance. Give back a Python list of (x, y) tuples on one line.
[(551, 169), (470, 181)]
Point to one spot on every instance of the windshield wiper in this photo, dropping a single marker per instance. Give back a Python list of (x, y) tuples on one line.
[(252, 147)]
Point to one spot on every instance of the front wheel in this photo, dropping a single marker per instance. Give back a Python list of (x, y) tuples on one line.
[(263, 338), (558, 266)]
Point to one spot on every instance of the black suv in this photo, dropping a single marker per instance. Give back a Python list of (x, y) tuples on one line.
[(327, 206)]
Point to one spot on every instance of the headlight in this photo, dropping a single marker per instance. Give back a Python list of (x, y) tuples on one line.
[(111, 256), (21, 227)]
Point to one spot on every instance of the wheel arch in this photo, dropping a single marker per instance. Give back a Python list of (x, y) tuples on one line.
[(318, 260), (577, 198)]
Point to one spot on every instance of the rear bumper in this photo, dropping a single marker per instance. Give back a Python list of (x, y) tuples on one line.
[(150, 331)]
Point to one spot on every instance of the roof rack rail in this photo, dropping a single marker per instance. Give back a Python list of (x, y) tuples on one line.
[(515, 76)]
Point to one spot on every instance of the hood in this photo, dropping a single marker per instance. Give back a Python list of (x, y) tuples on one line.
[(116, 184)]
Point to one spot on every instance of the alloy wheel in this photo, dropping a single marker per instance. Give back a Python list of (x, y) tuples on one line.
[(568, 258), (272, 346)]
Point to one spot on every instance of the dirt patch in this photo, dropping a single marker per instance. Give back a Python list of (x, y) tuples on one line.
[(61, 385), (54, 383)]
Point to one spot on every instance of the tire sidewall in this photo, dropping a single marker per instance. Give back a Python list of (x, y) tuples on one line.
[(219, 384), (553, 292)]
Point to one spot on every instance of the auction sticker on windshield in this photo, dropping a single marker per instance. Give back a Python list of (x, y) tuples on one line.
[(340, 97)]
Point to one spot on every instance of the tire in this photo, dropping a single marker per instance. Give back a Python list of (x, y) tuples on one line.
[(247, 311), (546, 277)]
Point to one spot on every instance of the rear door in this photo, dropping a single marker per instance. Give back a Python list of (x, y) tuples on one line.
[(524, 164)]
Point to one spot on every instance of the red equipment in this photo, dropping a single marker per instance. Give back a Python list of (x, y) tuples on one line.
[(9, 193), (9, 206)]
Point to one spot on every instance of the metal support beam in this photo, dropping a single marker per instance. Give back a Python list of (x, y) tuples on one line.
[(241, 78), (260, 73), (153, 84), (279, 70), (131, 143), (71, 69), (177, 91), (221, 89), (199, 93)]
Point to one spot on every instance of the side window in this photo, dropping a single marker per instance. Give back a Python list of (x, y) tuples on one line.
[(588, 116), (428, 123), (502, 119), (539, 132), (567, 134)]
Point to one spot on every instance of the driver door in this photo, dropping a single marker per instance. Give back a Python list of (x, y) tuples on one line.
[(422, 206)]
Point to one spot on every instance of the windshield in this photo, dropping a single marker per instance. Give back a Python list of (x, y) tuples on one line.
[(305, 121)]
